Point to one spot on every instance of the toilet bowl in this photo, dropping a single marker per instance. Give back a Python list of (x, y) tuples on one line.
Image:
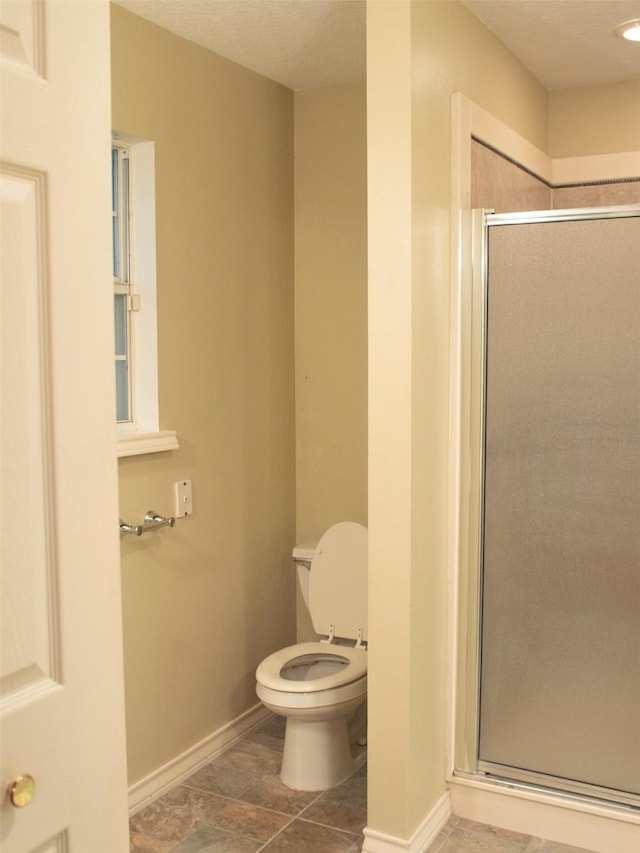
[(319, 687)]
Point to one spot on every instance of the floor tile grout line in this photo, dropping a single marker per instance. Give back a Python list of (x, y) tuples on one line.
[(319, 823), (246, 802), (323, 825), (233, 834), (279, 832), (329, 826)]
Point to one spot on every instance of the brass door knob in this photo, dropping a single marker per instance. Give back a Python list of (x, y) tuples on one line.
[(22, 791)]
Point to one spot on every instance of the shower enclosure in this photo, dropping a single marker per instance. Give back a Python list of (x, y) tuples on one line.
[(550, 553)]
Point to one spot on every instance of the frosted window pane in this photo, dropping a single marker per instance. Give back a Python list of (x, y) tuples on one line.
[(122, 395), (122, 357), (114, 213), (120, 322)]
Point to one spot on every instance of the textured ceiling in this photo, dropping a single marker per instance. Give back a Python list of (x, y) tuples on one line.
[(565, 43), (307, 43), (299, 43)]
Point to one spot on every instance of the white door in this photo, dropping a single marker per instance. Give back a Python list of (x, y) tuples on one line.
[(61, 682)]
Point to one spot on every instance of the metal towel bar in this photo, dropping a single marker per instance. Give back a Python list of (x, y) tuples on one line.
[(133, 529), (152, 521)]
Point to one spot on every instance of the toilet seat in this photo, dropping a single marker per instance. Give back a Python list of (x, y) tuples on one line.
[(269, 672), (338, 583)]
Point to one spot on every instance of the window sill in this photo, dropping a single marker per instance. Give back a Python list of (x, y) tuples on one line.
[(137, 443)]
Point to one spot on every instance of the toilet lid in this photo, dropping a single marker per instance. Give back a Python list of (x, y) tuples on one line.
[(338, 582), (270, 672)]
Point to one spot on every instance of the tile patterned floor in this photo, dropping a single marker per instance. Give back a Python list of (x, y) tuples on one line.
[(465, 836), (237, 804)]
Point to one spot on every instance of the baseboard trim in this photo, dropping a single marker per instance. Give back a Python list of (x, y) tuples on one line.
[(422, 838), (146, 790), (575, 822)]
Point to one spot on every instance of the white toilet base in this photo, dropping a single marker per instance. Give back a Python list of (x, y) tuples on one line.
[(317, 754), (320, 729)]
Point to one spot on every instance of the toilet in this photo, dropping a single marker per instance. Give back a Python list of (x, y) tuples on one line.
[(321, 687)]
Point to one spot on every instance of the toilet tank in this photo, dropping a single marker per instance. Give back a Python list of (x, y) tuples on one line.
[(303, 555)]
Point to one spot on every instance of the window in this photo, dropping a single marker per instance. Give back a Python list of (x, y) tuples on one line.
[(121, 279), (135, 316)]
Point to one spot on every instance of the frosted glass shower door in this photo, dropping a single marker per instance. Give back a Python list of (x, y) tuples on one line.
[(560, 637)]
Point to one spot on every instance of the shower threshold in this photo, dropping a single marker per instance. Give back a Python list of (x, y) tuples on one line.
[(515, 777)]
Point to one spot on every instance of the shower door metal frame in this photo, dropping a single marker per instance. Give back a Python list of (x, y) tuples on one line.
[(475, 226)]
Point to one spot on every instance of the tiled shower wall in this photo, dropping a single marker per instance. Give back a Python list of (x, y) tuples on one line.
[(596, 195), (498, 183)]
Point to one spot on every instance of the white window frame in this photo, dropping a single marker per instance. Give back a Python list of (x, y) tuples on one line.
[(142, 433)]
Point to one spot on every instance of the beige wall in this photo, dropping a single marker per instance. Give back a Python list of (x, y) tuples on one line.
[(331, 312), (419, 54), (206, 601), (594, 119)]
